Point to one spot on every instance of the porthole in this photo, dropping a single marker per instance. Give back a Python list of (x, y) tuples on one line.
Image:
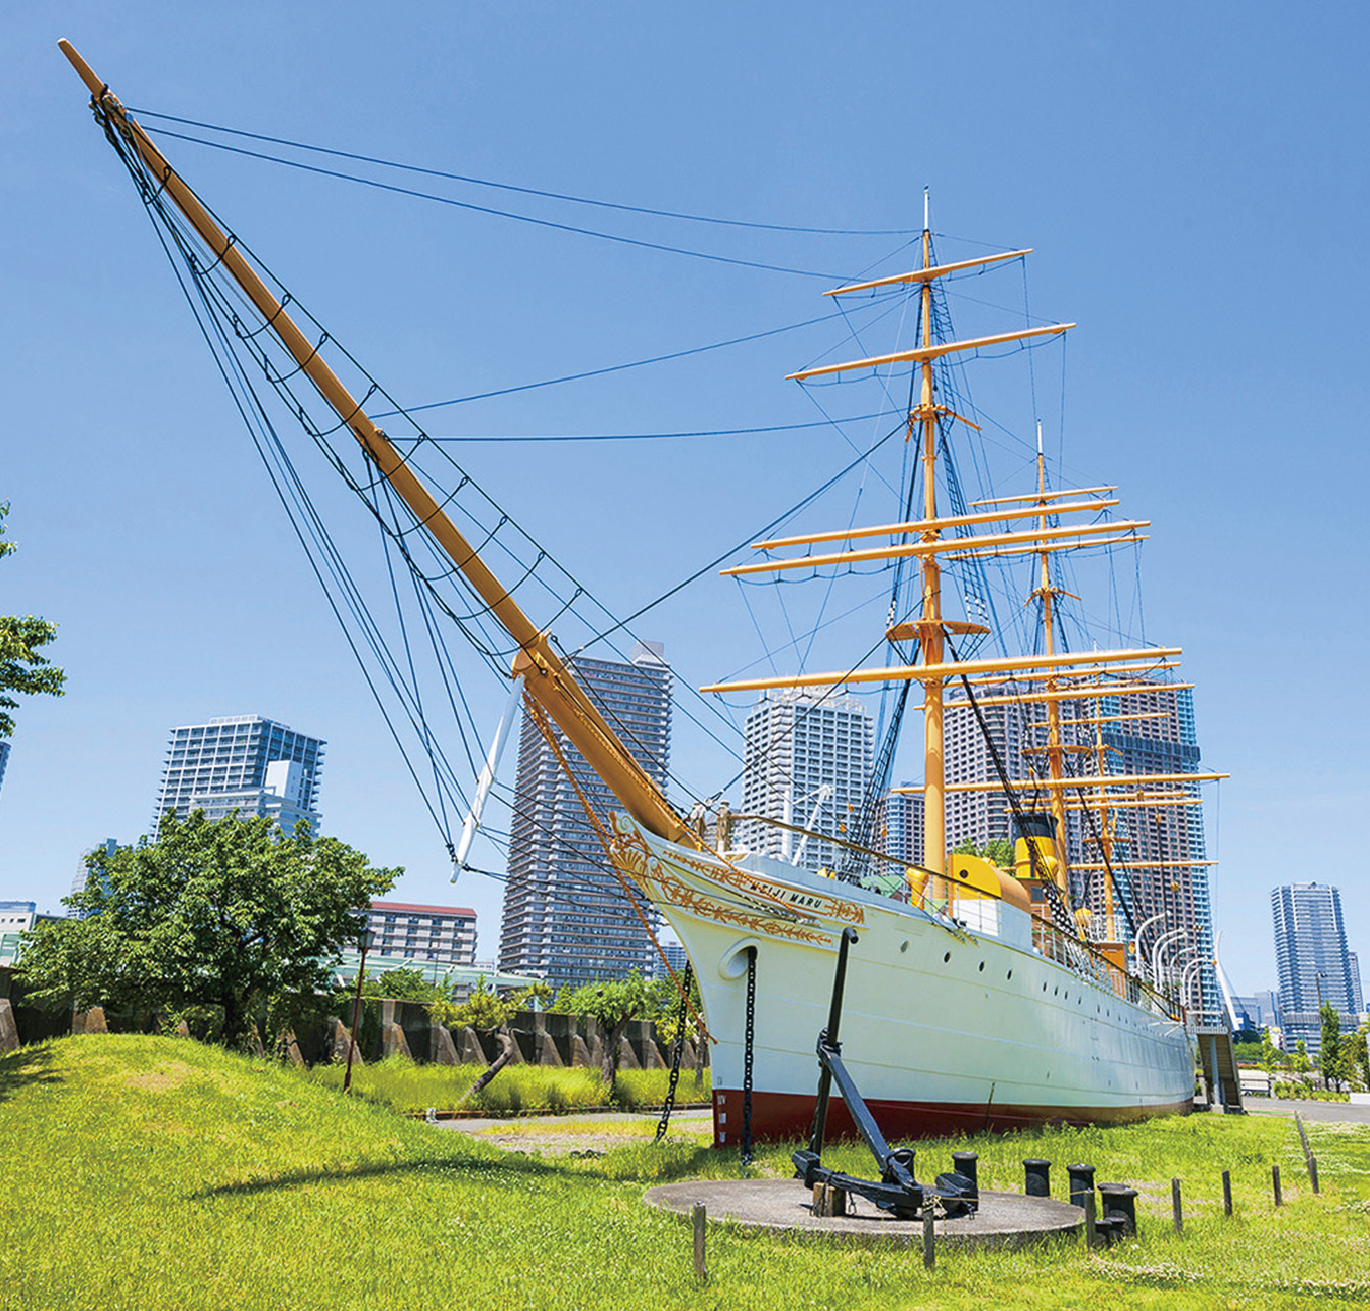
[(982, 967), (946, 958), (1056, 991), (1044, 985), (904, 946)]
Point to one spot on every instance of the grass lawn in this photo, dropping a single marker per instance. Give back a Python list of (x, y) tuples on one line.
[(402, 1085), (153, 1173)]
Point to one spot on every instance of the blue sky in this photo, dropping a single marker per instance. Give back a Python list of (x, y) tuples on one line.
[(1192, 179)]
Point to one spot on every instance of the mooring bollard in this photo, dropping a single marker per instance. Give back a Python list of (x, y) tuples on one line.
[(1120, 1203), (929, 1253), (1227, 1192), (1275, 1184), (1175, 1205), (698, 1214), (966, 1163), (1081, 1183), (1037, 1177), (1110, 1229), (1091, 1229)]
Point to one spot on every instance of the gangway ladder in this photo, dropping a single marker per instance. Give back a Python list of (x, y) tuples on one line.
[(1218, 1061)]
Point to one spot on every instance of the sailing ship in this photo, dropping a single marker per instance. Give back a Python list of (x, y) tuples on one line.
[(977, 996)]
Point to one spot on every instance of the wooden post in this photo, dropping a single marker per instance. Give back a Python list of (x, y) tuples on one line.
[(1175, 1205), (1275, 1184), (1091, 1232), (698, 1214), (929, 1254), (1227, 1192), (1312, 1161)]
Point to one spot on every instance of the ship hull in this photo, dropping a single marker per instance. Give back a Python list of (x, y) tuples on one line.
[(950, 1025)]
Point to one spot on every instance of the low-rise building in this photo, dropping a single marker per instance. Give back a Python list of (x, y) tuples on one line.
[(445, 935)]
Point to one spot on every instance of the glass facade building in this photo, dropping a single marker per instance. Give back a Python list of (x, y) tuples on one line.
[(242, 763), (566, 915), (1313, 960), (806, 762)]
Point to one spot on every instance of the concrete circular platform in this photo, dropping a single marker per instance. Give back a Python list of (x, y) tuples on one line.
[(785, 1206)]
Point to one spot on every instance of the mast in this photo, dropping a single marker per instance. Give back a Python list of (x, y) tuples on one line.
[(931, 638), (1055, 750), (546, 677)]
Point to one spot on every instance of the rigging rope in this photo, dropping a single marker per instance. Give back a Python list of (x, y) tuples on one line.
[(526, 191)]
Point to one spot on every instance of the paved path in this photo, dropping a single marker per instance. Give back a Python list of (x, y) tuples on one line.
[(1340, 1112), (576, 1120), (779, 1205)]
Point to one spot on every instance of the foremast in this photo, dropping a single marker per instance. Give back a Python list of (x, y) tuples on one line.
[(547, 679)]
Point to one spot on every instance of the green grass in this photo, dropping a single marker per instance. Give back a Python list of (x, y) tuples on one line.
[(161, 1175), (411, 1089)]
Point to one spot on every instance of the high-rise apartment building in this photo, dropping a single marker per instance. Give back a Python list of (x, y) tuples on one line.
[(899, 826), (1313, 960), (445, 935), (242, 763), (566, 915), (1146, 733), (806, 762)]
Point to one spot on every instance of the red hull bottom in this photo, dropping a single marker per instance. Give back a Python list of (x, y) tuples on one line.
[(782, 1116)]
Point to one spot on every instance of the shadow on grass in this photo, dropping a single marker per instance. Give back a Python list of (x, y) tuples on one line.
[(514, 1162), (29, 1065)]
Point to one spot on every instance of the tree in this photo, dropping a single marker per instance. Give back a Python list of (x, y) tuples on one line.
[(233, 914), (404, 984), (1329, 1053), (1358, 1057), (1299, 1062), (998, 851), (1269, 1056), (22, 668), (612, 1004)]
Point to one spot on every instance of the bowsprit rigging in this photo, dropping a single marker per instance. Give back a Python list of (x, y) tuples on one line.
[(983, 996)]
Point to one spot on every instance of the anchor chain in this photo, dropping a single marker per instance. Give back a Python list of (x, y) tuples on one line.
[(679, 1051), (747, 1059)]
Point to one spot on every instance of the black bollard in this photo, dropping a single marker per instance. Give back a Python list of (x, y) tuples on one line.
[(966, 1163), (1121, 1202), (1037, 1181), (1110, 1230), (1227, 1192), (1081, 1183)]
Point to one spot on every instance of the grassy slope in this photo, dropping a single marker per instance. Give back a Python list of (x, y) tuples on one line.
[(151, 1173)]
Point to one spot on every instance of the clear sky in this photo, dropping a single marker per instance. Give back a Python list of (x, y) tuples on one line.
[(1191, 177)]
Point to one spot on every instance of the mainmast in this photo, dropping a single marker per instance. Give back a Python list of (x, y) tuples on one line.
[(931, 638), (1055, 749), (546, 677), (929, 630)]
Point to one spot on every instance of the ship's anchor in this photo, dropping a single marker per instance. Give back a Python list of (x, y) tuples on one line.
[(896, 1191)]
